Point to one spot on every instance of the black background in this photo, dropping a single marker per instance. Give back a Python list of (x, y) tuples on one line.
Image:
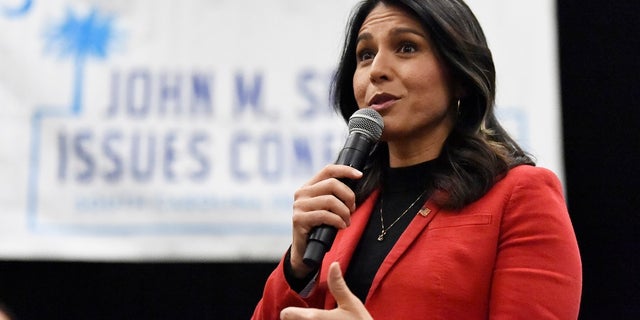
[(599, 69)]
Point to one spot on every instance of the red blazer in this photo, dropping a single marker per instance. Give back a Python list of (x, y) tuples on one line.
[(510, 255)]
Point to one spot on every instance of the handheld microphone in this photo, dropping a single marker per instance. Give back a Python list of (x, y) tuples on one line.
[(365, 128)]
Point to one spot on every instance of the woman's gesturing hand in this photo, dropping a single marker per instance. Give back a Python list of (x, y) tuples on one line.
[(349, 306)]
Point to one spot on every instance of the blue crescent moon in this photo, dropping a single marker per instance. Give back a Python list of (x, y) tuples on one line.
[(18, 10)]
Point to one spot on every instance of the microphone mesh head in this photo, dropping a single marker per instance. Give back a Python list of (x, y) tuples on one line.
[(367, 121)]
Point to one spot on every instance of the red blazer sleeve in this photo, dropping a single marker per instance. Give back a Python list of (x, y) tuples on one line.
[(278, 295), (537, 273)]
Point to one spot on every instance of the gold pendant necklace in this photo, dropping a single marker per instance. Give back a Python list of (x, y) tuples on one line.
[(383, 230)]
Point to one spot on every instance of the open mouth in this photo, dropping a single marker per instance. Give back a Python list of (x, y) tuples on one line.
[(382, 100)]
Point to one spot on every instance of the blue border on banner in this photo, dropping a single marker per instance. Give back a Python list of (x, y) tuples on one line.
[(35, 225)]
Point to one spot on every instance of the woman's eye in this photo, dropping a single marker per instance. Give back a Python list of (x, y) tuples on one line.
[(365, 55), (407, 48)]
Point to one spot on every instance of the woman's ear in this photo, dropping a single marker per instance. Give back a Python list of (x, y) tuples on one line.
[(460, 91)]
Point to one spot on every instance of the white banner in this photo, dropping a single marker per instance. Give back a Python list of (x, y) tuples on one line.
[(179, 130)]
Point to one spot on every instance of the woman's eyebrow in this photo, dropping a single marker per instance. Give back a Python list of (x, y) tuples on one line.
[(401, 30), (395, 32), (364, 36)]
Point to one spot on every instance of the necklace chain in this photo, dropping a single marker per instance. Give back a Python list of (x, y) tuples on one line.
[(383, 230)]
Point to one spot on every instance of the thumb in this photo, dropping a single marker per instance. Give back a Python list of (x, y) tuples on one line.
[(338, 287)]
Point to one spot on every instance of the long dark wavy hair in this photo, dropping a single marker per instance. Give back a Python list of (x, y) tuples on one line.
[(478, 151)]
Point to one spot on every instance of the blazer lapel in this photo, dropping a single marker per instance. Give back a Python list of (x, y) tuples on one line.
[(413, 231), (346, 242)]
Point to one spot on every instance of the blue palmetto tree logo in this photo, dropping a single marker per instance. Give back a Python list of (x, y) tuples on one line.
[(80, 38)]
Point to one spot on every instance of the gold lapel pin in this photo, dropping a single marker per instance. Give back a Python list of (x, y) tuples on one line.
[(424, 211)]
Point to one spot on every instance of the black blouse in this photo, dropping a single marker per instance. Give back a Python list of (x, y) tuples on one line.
[(400, 188)]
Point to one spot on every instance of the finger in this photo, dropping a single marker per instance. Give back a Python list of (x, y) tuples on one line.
[(338, 287), (335, 171), (328, 187), (295, 313), (325, 207)]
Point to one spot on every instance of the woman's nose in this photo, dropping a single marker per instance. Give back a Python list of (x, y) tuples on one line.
[(381, 68)]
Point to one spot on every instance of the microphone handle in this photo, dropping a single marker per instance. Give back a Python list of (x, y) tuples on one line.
[(354, 154)]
